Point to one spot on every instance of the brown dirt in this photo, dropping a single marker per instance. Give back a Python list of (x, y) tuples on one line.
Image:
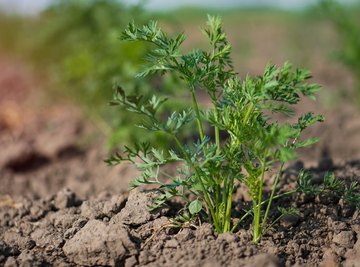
[(119, 230), (56, 195)]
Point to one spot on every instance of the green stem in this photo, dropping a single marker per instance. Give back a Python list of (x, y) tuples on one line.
[(251, 210), (272, 195), (217, 204), (228, 205), (257, 214), (217, 131), (218, 151), (206, 195), (217, 139), (274, 222), (224, 197), (197, 113)]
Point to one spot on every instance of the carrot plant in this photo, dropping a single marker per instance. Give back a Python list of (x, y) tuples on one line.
[(210, 168)]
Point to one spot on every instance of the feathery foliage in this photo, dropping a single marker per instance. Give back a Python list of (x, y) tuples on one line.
[(210, 169)]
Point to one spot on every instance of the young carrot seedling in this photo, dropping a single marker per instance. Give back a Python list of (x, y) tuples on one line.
[(211, 167)]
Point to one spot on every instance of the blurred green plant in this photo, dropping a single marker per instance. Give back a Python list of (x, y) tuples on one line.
[(75, 44), (79, 45), (347, 24), (11, 31)]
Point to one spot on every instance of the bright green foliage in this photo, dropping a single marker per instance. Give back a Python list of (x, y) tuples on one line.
[(348, 28), (209, 169)]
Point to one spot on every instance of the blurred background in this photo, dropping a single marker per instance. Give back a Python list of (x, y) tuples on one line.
[(59, 61)]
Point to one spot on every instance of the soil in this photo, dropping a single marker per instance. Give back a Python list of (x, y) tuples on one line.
[(60, 205), (119, 230)]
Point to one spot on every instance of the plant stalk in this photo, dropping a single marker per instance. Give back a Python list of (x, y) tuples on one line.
[(272, 194), (228, 206), (257, 214), (251, 210), (217, 131), (197, 113)]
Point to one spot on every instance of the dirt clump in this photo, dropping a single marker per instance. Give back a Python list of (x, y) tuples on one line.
[(136, 210), (99, 243)]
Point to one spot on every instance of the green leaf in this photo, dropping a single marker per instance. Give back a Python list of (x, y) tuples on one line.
[(271, 85), (195, 206), (287, 154), (307, 142)]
